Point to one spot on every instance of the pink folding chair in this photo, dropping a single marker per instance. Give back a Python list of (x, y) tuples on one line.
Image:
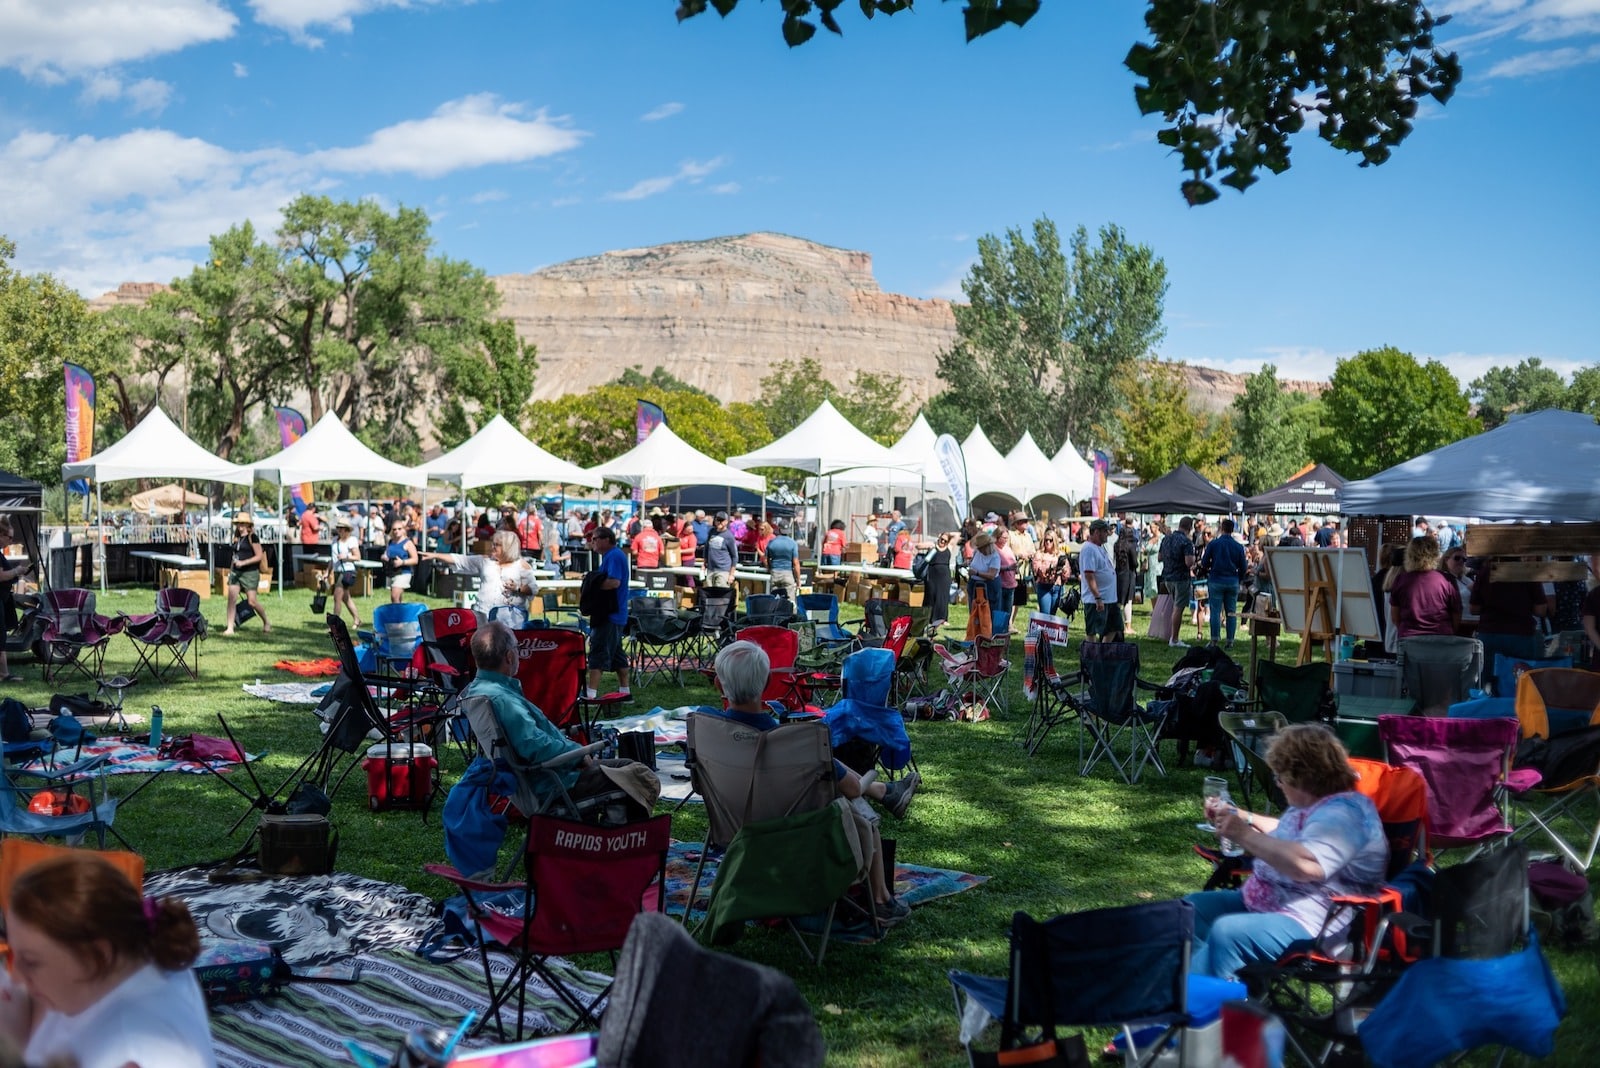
[(1467, 766)]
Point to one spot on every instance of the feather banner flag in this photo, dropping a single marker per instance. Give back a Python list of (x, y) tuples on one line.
[(80, 420), (291, 428), (646, 418), (1102, 469)]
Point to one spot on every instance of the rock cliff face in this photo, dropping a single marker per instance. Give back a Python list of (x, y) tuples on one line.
[(719, 313)]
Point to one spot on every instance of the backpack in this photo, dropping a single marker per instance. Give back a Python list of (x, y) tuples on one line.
[(1567, 757), (1562, 908), (16, 725), (919, 567)]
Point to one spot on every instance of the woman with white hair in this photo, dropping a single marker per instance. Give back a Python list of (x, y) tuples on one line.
[(506, 581)]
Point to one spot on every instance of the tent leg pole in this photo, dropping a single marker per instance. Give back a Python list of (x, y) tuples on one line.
[(281, 567), (100, 537)]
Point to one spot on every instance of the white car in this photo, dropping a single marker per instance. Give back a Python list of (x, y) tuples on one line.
[(267, 525)]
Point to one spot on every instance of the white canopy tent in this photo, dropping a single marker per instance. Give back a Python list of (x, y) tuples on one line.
[(328, 452), (850, 491), (156, 448), (823, 443), (988, 471), (1040, 480), (664, 460), (1540, 466), (1078, 475), (499, 452)]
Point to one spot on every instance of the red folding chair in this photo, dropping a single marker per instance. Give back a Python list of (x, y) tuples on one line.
[(550, 668), (585, 885), (787, 684)]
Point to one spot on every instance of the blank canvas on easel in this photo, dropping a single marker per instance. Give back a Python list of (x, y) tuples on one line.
[(1355, 612)]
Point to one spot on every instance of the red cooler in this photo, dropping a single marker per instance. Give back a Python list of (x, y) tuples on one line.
[(399, 776)]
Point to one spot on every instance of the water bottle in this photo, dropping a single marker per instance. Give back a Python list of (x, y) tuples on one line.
[(155, 726), (424, 1047)]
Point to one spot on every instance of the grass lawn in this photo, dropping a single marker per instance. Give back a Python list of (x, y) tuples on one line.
[(1049, 840)]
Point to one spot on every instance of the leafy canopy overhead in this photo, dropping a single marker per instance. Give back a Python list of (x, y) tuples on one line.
[(1234, 81)]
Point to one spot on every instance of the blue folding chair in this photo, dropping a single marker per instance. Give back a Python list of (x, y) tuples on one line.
[(396, 631), (865, 731), (1122, 967), (47, 803), (823, 610)]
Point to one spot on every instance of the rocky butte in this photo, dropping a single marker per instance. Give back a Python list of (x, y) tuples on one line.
[(719, 313)]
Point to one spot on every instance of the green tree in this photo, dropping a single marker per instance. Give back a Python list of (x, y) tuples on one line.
[(1583, 395), (43, 325), (349, 303), (1528, 387), (1046, 336), (1235, 81), (660, 377), (1161, 430), (1382, 408), (588, 428), (874, 402), (1273, 443)]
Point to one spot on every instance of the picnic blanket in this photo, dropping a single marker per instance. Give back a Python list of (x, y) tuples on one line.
[(1040, 628), (670, 726), (310, 668), (308, 1023), (289, 693), (913, 884), (129, 758)]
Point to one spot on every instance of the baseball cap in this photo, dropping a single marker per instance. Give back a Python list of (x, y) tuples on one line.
[(1099, 524)]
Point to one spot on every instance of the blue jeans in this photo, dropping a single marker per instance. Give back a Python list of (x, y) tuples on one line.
[(1226, 937), (1048, 596), (1223, 596), (1008, 599), (830, 559)]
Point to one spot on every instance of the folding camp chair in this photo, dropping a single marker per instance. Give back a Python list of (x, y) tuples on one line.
[(787, 683), (74, 634), (757, 778), (1438, 670), (1248, 734), (550, 669), (1119, 967), (757, 1015), (878, 614), (656, 641), (866, 732), (1111, 718), (165, 638), (1299, 692), (823, 610), (766, 610), (1506, 670), (396, 632), (986, 682), (1053, 702), (1467, 765), (68, 802), (584, 887), (713, 622), (1559, 713)]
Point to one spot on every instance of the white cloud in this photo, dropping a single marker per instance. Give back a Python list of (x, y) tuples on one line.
[(1530, 63), (664, 111), (50, 39), (488, 196), (690, 171), (142, 205), (950, 287), (241, 71), (474, 131), (147, 95), (725, 188), (297, 17)]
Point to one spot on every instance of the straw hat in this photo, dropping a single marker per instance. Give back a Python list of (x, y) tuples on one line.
[(982, 541), (244, 517), (343, 523)]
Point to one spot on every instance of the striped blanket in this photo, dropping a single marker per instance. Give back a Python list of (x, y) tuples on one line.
[(1040, 628)]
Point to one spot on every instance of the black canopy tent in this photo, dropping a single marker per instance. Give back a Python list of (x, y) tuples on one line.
[(718, 498), (1313, 492), (23, 500), (1182, 489)]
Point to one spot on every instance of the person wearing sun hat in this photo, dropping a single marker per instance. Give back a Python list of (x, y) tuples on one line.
[(346, 551), (984, 568), (245, 572)]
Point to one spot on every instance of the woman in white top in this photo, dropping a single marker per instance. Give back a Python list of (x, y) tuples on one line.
[(506, 582), (104, 973), (346, 551)]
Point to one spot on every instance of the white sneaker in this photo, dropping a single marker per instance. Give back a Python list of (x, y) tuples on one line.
[(1178, 645)]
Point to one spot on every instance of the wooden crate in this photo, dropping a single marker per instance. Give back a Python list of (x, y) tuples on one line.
[(1533, 539), (196, 580)]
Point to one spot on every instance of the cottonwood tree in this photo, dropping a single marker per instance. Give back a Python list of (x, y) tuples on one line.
[(1273, 442), (1160, 429), (588, 428), (1234, 81), (874, 402), (1047, 336), (1505, 391), (1382, 408)]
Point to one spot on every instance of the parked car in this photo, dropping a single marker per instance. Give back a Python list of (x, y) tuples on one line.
[(267, 524)]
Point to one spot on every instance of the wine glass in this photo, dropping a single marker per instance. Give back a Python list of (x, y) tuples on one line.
[(1214, 792)]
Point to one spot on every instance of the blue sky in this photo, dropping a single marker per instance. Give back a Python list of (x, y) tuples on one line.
[(536, 131)]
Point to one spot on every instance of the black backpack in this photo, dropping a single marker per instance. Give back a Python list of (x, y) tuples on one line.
[(1564, 759)]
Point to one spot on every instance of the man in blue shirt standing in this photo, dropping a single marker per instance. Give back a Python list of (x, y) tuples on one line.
[(1223, 564), (702, 529), (720, 553), (605, 638), (783, 562)]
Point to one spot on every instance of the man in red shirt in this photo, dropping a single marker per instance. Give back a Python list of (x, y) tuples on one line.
[(531, 530), (646, 547), (310, 525)]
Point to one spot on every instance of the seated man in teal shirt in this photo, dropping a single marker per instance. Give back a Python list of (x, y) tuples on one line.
[(533, 737)]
